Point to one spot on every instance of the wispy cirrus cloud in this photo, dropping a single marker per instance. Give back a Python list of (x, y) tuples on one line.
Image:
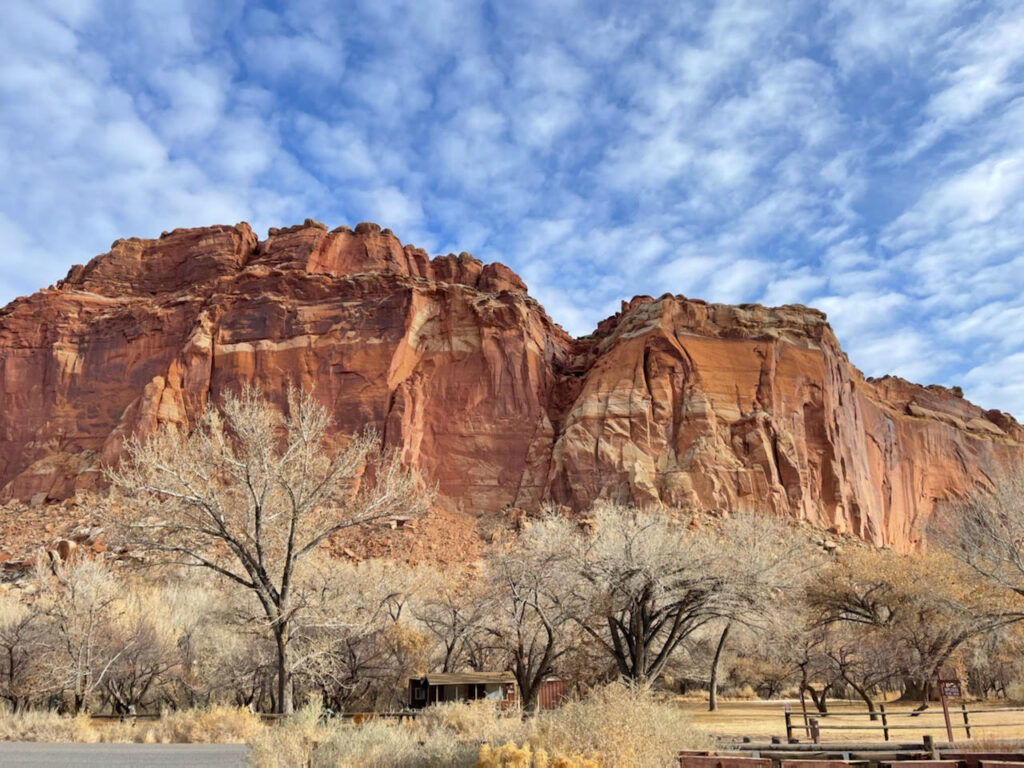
[(857, 156)]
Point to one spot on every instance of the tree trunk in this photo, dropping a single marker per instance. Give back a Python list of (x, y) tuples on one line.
[(819, 699), (10, 671), (713, 684), (914, 689), (285, 705), (863, 693), (529, 688), (531, 702)]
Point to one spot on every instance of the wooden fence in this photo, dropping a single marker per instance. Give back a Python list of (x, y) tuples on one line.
[(926, 753), (889, 722)]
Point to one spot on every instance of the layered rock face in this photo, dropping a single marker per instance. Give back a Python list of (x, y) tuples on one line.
[(672, 401)]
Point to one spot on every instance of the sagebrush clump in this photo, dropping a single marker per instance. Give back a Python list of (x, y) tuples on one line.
[(210, 725), (616, 726)]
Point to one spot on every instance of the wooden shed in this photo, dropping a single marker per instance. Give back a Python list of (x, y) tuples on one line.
[(553, 693), (499, 687), (439, 687)]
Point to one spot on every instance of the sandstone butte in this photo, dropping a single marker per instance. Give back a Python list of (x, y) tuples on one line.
[(671, 401)]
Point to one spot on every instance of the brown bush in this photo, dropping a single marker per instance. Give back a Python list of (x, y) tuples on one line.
[(619, 726), (213, 725)]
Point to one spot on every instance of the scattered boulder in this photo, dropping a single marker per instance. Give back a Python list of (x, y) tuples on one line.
[(66, 550)]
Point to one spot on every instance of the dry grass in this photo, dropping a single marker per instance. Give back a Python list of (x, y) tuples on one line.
[(619, 725), (381, 744), (215, 725), (616, 726), (47, 726), (477, 720), (757, 719), (289, 743), (1014, 745), (375, 743)]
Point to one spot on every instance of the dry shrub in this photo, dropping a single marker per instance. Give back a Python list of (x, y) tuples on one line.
[(382, 744), (51, 727), (479, 720), (508, 755), (443, 735), (745, 691), (618, 726), (290, 742), (1015, 692), (216, 725), (375, 743), (46, 726)]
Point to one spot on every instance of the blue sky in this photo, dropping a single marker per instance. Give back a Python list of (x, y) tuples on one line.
[(863, 157)]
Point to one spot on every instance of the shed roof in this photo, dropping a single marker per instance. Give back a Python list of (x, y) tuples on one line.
[(467, 678)]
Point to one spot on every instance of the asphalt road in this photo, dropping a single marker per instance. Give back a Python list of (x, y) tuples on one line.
[(16, 754)]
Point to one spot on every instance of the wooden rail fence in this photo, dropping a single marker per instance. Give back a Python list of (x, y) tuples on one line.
[(926, 753), (889, 721)]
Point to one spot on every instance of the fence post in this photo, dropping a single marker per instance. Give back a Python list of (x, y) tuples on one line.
[(967, 722), (789, 724), (803, 708), (945, 709), (815, 733), (930, 748), (885, 722)]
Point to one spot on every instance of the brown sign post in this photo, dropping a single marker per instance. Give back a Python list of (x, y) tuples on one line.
[(949, 689)]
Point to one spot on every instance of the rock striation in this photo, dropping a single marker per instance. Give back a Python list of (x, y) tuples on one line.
[(671, 401)]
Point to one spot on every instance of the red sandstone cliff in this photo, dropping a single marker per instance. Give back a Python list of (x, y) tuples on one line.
[(672, 400)]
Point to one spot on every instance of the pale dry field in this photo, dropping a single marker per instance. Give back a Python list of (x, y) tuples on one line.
[(761, 720)]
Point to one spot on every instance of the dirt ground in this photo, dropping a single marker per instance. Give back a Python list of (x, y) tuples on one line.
[(761, 720)]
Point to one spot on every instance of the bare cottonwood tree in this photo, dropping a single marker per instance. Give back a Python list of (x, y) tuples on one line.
[(530, 582), (860, 660), (769, 561), (355, 643), (191, 611), (985, 530), (21, 644), (250, 492), (453, 613), (920, 609), (146, 632), (649, 581), (79, 602)]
